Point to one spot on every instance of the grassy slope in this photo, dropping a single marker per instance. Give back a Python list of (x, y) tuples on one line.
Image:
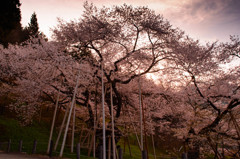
[(135, 151), (11, 129)]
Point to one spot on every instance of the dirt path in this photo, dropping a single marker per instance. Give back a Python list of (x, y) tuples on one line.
[(21, 156)]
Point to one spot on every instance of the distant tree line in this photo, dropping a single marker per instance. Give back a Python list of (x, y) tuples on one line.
[(11, 30)]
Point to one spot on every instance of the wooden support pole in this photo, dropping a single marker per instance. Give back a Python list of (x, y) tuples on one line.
[(109, 147), (94, 141), (129, 148), (73, 127), (9, 145), (95, 123), (152, 132), (113, 134), (89, 139), (154, 149), (51, 149), (61, 128), (69, 117), (184, 156), (124, 144), (140, 112), (135, 131), (91, 144), (20, 146), (120, 153), (144, 128), (81, 134), (85, 138), (144, 154), (116, 151), (53, 122), (34, 147), (100, 155), (78, 151), (223, 155), (103, 115)]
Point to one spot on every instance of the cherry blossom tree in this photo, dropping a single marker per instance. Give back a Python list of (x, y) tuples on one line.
[(230, 49), (211, 91), (130, 41), (197, 97), (36, 71)]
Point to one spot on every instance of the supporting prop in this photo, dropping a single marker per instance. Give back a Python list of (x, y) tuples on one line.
[(154, 149), (20, 146), (120, 153), (9, 145), (95, 123), (103, 116), (109, 147), (61, 129), (78, 151), (140, 112), (73, 127), (53, 123), (51, 149), (34, 147), (69, 117), (184, 156), (129, 148), (113, 134), (134, 128), (144, 154), (100, 155)]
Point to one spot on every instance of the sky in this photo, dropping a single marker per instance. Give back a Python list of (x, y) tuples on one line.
[(205, 20)]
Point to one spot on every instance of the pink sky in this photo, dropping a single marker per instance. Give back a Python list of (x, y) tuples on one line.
[(206, 20)]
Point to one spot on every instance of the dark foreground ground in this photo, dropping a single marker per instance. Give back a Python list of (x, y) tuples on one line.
[(21, 156)]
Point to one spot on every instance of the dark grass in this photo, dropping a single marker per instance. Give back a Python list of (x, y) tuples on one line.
[(11, 129)]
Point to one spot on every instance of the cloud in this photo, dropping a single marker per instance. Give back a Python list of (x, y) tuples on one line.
[(202, 19), (206, 19), (200, 11)]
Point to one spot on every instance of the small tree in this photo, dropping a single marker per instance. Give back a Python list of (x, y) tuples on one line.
[(32, 30), (33, 27)]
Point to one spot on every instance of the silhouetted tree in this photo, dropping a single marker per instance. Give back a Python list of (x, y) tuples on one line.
[(33, 26), (32, 30), (10, 18)]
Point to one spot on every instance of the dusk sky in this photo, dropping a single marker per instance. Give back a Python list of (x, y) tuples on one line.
[(206, 20)]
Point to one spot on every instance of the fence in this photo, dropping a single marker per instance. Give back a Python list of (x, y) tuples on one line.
[(35, 147)]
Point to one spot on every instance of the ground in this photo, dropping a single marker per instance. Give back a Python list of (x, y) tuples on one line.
[(21, 156)]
